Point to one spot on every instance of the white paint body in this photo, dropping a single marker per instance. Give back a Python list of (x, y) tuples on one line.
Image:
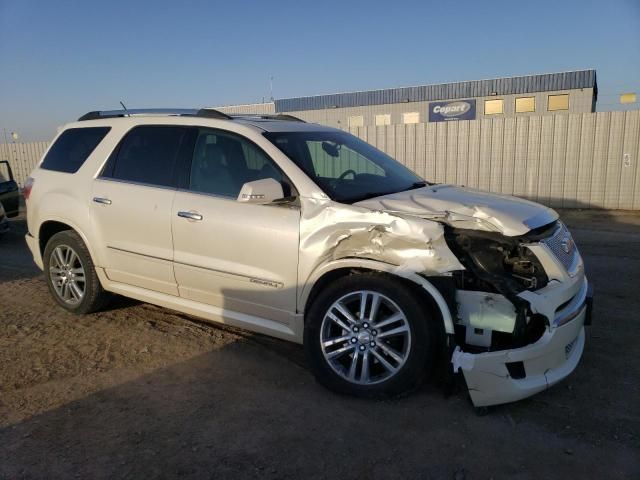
[(254, 265)]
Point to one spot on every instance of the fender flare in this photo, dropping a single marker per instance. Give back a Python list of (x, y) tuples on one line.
[(72, 226), (382, 267)]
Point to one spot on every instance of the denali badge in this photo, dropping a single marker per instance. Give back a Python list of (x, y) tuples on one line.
[(266, 283)]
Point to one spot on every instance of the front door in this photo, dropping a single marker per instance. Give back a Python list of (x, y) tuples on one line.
[(237, 256)]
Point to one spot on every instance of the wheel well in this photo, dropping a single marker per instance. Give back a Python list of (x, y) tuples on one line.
[(48, 230), (417, 290), (325, 280)]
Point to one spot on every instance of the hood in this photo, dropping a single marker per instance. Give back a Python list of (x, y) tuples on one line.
[(467, 208)]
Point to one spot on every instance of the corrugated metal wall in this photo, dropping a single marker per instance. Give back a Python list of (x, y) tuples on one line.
[(475, 88), (258, 108), (580, 101), (587, 160), (573, 161), (22, 157)]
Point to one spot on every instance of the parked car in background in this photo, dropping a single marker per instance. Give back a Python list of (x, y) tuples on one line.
[(4, 221), (9, 191), (309, 234)]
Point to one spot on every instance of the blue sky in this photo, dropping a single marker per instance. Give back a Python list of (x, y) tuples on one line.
[(60, 59)]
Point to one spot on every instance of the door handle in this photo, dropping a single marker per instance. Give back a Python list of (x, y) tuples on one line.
[(103, 201), (190, 215)]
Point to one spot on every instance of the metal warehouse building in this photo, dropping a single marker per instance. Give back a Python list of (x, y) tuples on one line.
[(553, 93)]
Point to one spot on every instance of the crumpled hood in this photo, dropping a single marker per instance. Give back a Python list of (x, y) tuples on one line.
[(510, 216)]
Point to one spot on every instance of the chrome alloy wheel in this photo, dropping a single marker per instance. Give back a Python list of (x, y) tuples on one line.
[(67, 274), (365, 337)]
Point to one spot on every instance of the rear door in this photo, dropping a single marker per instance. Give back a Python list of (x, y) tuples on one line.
[(9, 192), (131, 207), (237, 256)]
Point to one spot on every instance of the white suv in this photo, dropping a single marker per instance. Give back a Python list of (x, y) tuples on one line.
[(307, 233)]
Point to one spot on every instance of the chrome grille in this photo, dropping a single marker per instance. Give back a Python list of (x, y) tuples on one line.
[(562, 246)]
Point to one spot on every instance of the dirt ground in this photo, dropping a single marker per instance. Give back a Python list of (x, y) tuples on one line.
[(138, 391)]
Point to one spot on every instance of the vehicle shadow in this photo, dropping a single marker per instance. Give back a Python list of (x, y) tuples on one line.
[(15, 258), (244, 412)]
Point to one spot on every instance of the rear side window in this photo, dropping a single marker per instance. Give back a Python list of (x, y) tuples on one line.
[(72, 148), (148, 155)]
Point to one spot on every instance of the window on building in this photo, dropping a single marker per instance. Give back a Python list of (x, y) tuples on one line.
[(525, 104), (384, 119), (72, 148), (411, 117), (356, 121), (493, 107), (628, 98), (558, 102)]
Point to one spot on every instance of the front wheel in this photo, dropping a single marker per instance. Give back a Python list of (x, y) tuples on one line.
[(369, 335)]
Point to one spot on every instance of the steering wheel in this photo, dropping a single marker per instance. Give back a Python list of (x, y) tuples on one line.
[(347, 172)]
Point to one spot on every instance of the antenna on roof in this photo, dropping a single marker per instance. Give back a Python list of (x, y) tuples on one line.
[(123, 106), (271, 87)]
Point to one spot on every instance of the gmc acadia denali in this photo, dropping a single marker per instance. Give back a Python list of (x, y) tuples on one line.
[(309, 234)]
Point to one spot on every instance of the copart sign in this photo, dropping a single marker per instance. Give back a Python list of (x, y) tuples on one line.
[(455, 110)]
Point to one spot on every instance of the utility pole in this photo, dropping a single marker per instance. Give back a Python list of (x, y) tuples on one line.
[(271, 87), (6, 144)]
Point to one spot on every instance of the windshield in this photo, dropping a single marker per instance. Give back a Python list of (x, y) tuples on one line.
[(344, 167)]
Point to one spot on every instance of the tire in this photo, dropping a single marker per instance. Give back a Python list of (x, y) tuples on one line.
[(407, 345), (67, 262)]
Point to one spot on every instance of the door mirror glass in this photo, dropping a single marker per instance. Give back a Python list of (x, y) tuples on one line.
[(261, 191)]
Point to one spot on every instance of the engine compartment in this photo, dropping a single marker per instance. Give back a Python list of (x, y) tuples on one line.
[(489, 311)]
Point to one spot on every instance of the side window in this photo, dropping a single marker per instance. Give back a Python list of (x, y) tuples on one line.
[(223, 162), (72, 148), (148, 155), (339, 161), (4, 172)]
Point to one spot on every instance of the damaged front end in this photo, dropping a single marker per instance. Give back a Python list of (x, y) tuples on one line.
[(521, 306), (510, 282)]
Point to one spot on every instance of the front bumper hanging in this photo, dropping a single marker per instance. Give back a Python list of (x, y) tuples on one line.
[(509, 375)]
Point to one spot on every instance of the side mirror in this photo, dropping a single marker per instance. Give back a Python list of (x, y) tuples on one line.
[(261, 191)]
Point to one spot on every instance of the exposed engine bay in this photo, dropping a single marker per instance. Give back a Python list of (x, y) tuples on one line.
[(491, 315)]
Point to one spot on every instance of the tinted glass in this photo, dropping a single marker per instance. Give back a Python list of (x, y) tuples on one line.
[(222, 163), (72, 148), (149, 155), (4, 172), (346, 168), (348, 163)]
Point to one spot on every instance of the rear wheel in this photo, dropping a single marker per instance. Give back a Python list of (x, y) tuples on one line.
[(71, 275), (368, 335)]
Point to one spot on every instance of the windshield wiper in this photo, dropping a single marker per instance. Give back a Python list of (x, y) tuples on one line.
[(421, 184)]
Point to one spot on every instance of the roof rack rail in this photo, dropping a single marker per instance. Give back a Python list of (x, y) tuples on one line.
[(180, 112), (269, 116), (212, 113)]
